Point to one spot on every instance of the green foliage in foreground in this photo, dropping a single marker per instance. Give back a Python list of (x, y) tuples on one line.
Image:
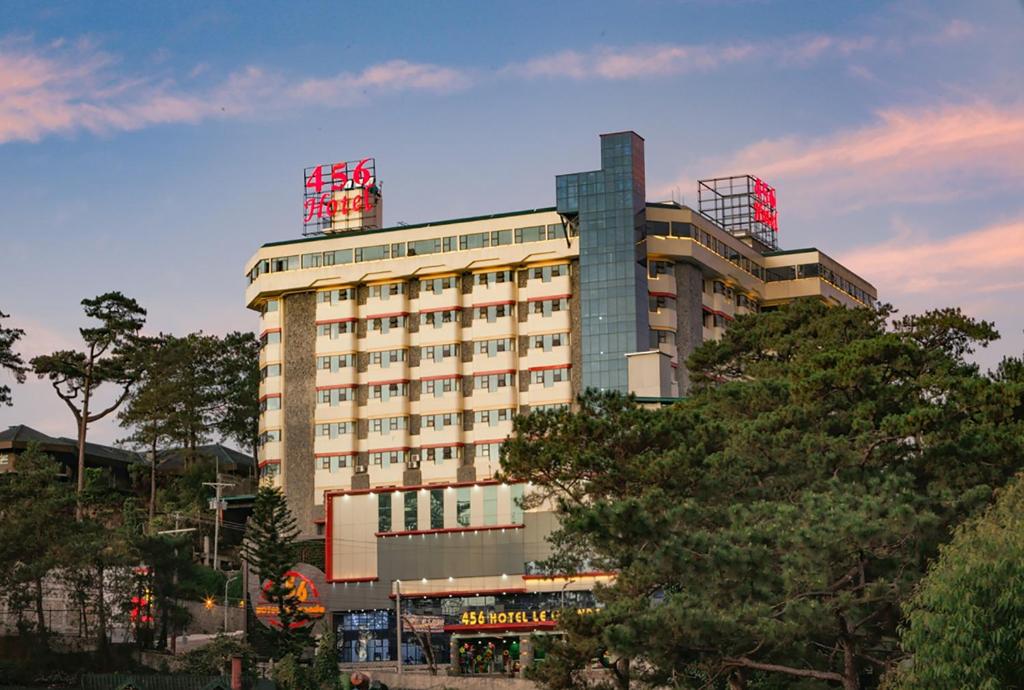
[(768, 528), (966, 621)]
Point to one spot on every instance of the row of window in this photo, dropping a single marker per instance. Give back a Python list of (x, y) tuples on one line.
[(437, 319), (438, 353), (436, 387), (819, 270), (380, 252), (437, 500), (387, 425)]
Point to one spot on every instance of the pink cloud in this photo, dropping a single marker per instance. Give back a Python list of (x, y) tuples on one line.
[(908, 154)]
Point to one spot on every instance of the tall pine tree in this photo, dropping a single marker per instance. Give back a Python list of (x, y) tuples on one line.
[(272, 550)]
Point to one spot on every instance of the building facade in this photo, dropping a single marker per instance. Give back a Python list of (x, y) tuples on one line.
[(394, 360)]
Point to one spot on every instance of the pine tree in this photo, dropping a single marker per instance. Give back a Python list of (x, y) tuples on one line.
[(272, 550), (9, 359), (325, 664)]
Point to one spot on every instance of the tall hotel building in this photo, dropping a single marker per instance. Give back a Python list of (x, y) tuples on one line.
[(394, 360)]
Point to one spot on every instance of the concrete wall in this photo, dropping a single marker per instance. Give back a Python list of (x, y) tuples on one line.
[(297, 466), (689, 317)]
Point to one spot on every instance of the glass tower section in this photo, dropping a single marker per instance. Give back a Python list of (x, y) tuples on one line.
[(610, 207)]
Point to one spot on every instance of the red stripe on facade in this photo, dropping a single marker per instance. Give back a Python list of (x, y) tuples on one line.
[(269, 462), (491, 373), (652, 293), (709, 310), (328, 321), (346, 453), (489, 441), (336, 386), (551, 297), (445, 530), (328, 560), (388, 450), (569, 576), (551, 366), (441, 376), (269, 395), (431, 310), (443, 445), (386, 316), (494, 304), (270, 330)]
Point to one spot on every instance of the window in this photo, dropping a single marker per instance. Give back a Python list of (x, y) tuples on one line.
[(657, 227), (494, 312), (334, 362), (546, 273), (437, 509), (659, 302), (270, 370), (546, 342), (492, 277), (386, 291), (384, 324), (270, 338), (551, 407), (536, 233), (491, 451), (374, 253), (411, 510), (335, 296), (387, 425), (418, 247), (386, 458), (439, 455), (439, 318), (334, 329), (312, 260), (438, 387), (269, 436), (270, 305), (332, 463), (491, 348), (549, 377), (337, 257), (270, 471), (284, 263), (384, 512), (493, 417), (437, 285), (546, 307), (438, 353), (386, 391), (440, 421), (516, 492), (335, 395), (385, 358), (682, 229), (462, 506), (335, 429), (270, 402), (490, 505), (660, 337), (492, 382), (659, 268), (477, 240)]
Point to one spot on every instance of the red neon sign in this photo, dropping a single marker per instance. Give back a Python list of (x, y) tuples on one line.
[(765, 210), (323, 182), (306, 594)]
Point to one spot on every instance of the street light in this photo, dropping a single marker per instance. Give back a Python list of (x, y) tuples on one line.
[(226, 583)]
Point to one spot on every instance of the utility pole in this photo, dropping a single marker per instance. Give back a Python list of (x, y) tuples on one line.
[(217, 507), (226, 583), (398, 623)]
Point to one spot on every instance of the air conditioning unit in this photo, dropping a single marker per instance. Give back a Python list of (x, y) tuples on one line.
[(361, 469), (413, 464)]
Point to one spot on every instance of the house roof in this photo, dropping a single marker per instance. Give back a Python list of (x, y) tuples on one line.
[(228, 458), (19, 436)]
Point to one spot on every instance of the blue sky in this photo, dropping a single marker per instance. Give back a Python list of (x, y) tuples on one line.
[(150, 148)]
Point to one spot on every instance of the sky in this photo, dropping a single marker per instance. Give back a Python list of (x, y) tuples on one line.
[(150, 148)]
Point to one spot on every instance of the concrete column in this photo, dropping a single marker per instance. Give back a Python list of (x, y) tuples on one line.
[(689, 317)]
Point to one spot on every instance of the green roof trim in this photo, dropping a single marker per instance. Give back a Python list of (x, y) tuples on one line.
[(783, 252), (452, 221), (240, 497), (659, 400)]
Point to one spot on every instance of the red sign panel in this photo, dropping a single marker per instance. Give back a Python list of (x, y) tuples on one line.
[(304, 590), (765, 210)]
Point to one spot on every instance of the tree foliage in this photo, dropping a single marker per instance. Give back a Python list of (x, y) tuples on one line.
[(965, 622), (9, 359), (108, 357), (772, 523), (271, 550)]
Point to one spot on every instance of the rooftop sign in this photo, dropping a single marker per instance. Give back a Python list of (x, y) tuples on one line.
[(341, 197), (743, 205)]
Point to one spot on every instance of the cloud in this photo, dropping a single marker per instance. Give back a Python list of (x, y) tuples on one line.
[(978, 270), (60, 89), (909, 154)]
